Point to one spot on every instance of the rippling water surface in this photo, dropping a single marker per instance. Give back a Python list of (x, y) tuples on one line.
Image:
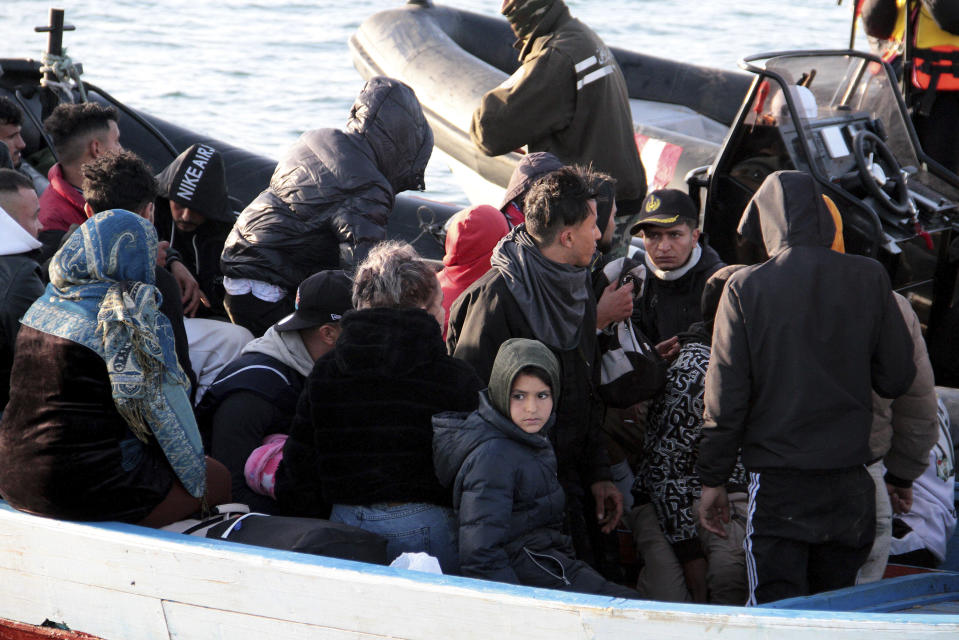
[(259, 73)]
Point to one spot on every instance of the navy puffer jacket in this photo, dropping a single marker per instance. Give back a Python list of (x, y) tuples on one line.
[(505, 491), (330, 197)]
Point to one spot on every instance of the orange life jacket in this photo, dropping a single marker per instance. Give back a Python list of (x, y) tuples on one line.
[(935, 55)]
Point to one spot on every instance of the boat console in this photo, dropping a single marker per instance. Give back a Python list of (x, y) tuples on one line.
[(839, 116)]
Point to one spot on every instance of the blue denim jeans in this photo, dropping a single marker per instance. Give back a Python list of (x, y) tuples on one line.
[(413, 526)]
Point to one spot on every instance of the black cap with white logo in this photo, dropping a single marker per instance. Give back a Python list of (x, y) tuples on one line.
[(320, 299)]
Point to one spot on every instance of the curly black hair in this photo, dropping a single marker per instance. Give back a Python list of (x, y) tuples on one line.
[(118, 181)]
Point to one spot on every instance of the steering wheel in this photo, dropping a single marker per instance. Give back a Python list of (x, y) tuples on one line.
[(880, 173)]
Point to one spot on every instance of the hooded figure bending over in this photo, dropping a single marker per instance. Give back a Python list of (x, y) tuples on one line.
[(800, 341), (327, 203)]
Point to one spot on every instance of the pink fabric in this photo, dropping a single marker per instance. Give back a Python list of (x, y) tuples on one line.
[(470, 241), (61, 204), (260, 468)]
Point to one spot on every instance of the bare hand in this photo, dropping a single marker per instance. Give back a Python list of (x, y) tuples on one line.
[(615, 304), (900, 498), (189, 289), (714, 510), (162, 247), (609, 504), (668, 349)]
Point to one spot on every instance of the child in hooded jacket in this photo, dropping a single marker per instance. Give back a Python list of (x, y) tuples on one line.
[(502, 469)]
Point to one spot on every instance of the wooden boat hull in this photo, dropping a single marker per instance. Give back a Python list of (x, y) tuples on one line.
[(126, 582)]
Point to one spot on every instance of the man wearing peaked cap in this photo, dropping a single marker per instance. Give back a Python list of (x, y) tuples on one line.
[(194, 215), (255, 395), (678, 264)]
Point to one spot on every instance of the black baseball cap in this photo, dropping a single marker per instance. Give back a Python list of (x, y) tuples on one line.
[(322, 298), (665, 208)]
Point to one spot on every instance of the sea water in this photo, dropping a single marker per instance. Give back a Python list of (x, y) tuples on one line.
[(258, 73)]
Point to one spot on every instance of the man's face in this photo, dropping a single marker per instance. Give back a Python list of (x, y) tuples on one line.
[(185, 218), (669, 247), (585, 235), (24, 207), (606, 242), (10, 135)]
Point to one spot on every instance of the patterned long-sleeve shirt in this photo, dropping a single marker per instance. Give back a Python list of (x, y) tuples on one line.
[(667, 475)]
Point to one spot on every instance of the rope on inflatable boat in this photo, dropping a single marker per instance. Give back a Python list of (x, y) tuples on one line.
[(67, 74)]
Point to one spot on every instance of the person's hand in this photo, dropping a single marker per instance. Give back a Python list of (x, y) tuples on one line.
[(615, 304), (900, 498), (668, 349), (162, 247), (714, 510), (609, 504), (190, 291)]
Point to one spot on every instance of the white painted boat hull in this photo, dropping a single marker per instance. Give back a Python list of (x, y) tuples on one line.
[(126, 582)]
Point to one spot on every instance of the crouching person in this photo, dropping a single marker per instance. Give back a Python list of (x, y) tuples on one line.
[(500, 463), (101, 426)]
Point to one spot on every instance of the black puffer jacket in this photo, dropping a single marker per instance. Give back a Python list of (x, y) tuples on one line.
[(504, 484), (363, 431), (330, 197)]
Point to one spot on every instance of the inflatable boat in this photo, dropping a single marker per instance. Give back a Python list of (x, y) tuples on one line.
[(451, 57), (414, 219)]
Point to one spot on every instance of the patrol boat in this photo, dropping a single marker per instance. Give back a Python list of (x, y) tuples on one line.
[(837, 115), (451, 57)]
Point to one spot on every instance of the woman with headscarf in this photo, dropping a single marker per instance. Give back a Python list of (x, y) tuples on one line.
[(99, 424)]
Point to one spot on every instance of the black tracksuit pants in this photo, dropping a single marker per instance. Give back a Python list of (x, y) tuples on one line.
[(807, 531)]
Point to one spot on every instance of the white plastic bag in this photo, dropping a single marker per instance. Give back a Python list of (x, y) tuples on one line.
[(418, 561)]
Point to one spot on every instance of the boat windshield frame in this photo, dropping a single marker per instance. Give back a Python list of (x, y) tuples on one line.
[(903, 139)]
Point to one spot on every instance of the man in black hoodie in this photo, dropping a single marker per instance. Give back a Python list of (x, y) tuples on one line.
[(799, 343), (327, 204), (194, 214)]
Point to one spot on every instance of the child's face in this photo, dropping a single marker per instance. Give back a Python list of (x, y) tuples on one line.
[(530, 403)]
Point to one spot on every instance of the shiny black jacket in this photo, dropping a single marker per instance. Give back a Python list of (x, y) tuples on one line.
[(330, 197)]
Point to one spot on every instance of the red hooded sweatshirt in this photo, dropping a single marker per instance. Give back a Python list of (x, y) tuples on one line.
[(470, 240)]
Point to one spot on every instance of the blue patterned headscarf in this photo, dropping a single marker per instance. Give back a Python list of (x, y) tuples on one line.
[(102, 295)]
